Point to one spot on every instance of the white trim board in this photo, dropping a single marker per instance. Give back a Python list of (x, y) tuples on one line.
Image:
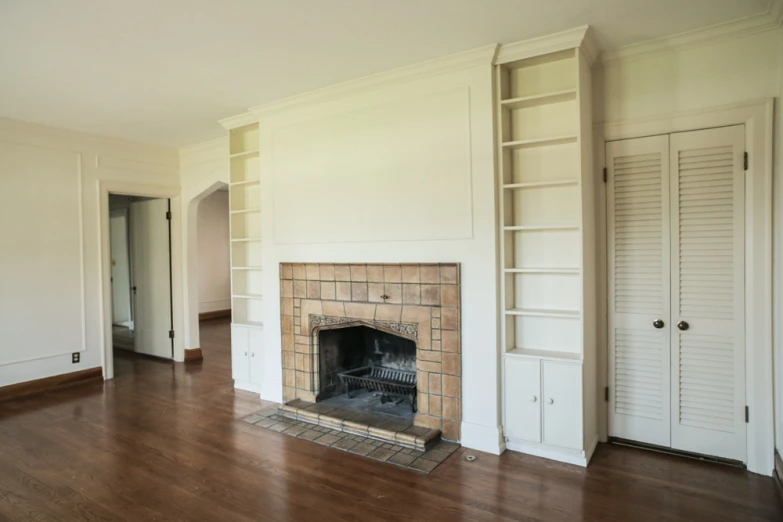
[(757, 116), (770, 20), (105, 187)]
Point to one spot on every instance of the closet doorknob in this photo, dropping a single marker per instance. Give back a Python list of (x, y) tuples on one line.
[(658, 323), (550, 401), (683, 325), (533, 398)]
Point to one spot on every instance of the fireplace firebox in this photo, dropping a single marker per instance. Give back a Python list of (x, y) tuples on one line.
[(359, 358)]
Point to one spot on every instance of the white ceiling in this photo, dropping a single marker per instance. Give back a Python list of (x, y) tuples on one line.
[(164, 71)]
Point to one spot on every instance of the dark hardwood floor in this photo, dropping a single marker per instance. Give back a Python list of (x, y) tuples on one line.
[(162, 442)]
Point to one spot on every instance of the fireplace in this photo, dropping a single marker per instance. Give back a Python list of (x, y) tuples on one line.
[(359, 357), (338, 317)]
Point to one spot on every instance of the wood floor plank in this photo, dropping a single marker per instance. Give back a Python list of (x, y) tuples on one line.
[(165, 441)]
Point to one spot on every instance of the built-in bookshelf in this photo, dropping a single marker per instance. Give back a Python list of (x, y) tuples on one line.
[(547, 247), (245, 216), (541, 204)]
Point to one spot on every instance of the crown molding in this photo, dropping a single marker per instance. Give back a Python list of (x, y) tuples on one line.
[(203, 152), (240, 120), (479, 56), (549, 44), (769, 20)]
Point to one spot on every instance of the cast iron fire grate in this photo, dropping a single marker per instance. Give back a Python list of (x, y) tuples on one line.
[(388, 381)]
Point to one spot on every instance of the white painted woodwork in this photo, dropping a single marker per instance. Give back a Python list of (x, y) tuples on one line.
[(151, 276), (120, 269), (676, 206), (246, 258), (561, 394), (638, 257), (548, 254), (707, 278), (523, 399)]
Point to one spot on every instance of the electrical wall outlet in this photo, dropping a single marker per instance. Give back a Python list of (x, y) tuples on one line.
[(76, 357)]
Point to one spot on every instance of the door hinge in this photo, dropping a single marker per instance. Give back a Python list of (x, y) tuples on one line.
[(747, 414), (168, 215), (171, 334), (606, 394), (606, 175), (745, 160)]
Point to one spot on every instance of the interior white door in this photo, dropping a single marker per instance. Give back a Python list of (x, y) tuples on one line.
[(120, 268), (708, 296), (151, 276), (638, 255)]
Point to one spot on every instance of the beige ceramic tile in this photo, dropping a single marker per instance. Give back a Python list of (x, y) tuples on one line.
[(430, 295), (391, 313), (342, 273), (327, 290), (312, 272), (326, 272), (375, 273), (392, 274), (411, 293), (359, 292), (448, 274), (299, 271), (300, 288), (334, 308), (343, 291), (360, 310), (374, 292), (359, 273), (410, 274), (394, 293), (286, 271), (449, 295)]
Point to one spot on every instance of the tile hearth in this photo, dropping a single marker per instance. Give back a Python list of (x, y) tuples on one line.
[(338, 414), (364, 445)]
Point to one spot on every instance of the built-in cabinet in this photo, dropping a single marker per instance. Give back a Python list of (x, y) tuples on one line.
[(246, 274), (547, 262)]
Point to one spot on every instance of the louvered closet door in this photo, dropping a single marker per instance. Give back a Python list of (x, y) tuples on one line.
[(707, 267), (638, 248)]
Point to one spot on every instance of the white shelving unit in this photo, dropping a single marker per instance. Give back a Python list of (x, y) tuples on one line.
[(547, 252), (246, 274)]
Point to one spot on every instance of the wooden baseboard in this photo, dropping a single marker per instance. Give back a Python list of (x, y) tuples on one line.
[(778, 473), (24, 389), (193, 355), (217, 314)]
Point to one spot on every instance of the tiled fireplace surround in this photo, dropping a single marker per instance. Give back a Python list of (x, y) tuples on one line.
[(420, 302)]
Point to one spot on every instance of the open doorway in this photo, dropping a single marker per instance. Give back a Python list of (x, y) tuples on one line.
[(214, 276), (140, 242)]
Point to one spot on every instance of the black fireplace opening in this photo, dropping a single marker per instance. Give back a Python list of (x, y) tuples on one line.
[(367, 369)]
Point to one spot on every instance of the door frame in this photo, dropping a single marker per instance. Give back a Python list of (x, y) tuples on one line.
[(105, 187), (757, 116)]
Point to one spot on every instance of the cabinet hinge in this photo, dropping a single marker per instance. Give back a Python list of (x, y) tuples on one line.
[(606, 175), (168, 215), (747, 414), (745, 160), (606, 394), (171, 334)]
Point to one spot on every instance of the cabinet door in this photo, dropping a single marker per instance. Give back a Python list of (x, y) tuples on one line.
[(562, 404), (523, 399), (255, 339), (240, 368)]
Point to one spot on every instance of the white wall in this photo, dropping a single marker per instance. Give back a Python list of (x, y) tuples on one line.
[(53, 278), (721, 73), (214, 265), (203, 170), (399, 172)]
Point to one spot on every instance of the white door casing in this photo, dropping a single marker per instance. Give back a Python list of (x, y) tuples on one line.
[(638, 256), (151, 276), (708, 291)]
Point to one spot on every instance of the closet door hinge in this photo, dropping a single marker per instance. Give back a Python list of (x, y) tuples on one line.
[(745, 159), (605, 175), (747, 414), (168, 215), (606, 394), (171, 334)]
